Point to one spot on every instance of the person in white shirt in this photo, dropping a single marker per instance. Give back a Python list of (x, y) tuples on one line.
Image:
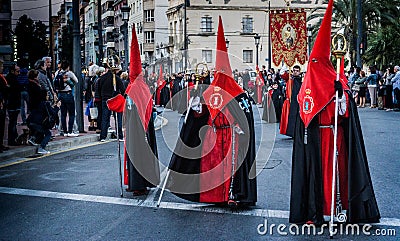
[(66, 96)]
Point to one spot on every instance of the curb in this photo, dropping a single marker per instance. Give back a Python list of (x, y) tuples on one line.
[(26, 151)]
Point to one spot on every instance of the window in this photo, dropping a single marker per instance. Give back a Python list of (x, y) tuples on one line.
[(206, 24), (149, 15), (247, 56), (149, 36), (206, 55), (247, 23)]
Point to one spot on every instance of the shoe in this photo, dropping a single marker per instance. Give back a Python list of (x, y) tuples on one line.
[(139, 192), (121, 140), (103, 140), (32, 142), (72, 134), (42, 151), (389, 109), (4, 148)]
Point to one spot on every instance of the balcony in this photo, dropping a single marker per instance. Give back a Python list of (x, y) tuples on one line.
[(148, 47), (110, 45), (108, 13)]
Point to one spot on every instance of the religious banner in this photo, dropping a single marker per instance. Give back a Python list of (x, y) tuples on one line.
[(288, 36)]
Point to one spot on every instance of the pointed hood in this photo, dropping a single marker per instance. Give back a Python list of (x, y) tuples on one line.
[(317, 89), (160, 85), (135, 64), (137, 89), (222, 63), (224, 88)]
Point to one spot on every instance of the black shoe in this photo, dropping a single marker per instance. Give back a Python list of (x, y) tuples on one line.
[(4, 148)]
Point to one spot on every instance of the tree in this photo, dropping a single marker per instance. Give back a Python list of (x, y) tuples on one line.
[(383, 47), (377, 14), (32, 41), (66, 42)]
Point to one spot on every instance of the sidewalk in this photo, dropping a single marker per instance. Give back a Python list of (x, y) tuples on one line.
[(58, 142)]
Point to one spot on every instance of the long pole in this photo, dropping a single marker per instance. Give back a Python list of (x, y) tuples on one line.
[(100, 32), (185, 41), (51, 35), (359, 32), (269, 36), (119, 146), (126, 45), (256, 55), (334, 163), (76, 65)]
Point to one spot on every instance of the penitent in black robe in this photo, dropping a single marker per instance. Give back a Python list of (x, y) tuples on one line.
[(142, 168), (186, 161), (306, 202)]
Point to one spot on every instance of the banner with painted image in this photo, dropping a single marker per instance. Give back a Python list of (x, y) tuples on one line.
[(288, 36)]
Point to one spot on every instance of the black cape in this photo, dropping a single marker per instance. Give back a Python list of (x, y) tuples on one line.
[(192, 132), (141, 152), (269, 114), (294, 107), (307, 184)]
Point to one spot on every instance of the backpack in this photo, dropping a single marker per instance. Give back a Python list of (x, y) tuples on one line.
[(58, 81)]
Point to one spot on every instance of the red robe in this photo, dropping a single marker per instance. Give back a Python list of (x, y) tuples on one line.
[(327, 118), (259, 85), (216, 164), (286, 108)]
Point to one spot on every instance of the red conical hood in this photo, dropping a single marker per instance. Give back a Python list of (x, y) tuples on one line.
[(317, 89), (224, 88), (222, 63), (322, 45), (137, 89), (135, 64)]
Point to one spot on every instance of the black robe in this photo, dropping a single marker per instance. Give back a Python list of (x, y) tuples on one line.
[(192, 132), (140, 152), (294, 107), (269, 114), (306, 201)]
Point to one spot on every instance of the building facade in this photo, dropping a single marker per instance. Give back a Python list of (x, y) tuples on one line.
[(196, 38), (90, 30), (6, 49)]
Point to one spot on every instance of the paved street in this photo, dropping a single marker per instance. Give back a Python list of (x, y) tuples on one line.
[(74, 194)]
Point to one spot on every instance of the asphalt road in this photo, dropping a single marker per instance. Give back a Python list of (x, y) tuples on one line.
[(75, 195)]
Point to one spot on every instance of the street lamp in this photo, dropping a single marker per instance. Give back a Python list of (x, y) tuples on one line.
[(257, 42), (125, 9), (227, 43), (309, 35)]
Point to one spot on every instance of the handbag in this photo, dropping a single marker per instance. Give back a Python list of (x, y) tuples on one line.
[(94, 112), (356, 87)]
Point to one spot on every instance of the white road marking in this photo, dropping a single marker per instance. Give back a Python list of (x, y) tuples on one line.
[(256, 212)]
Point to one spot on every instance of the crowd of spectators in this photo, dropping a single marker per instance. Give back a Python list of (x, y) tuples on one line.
[(380, 88)]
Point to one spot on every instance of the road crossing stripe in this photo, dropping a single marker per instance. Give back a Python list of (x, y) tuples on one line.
[(256, 212)]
